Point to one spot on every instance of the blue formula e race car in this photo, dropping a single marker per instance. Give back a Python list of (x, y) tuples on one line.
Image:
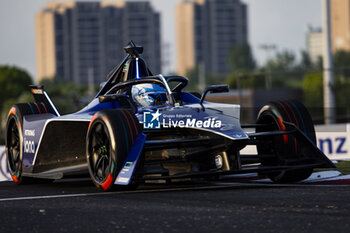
[(142, 127)]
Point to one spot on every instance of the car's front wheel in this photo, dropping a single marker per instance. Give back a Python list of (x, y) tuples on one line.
[(110, 136), (285, 149)]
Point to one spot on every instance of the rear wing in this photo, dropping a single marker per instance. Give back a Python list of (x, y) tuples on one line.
[(41, 96)]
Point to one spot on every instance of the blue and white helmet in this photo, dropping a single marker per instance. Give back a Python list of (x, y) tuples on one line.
[(140, 96), (148, 94)]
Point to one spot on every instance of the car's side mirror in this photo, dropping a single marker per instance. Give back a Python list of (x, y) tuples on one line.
[(213, 89)]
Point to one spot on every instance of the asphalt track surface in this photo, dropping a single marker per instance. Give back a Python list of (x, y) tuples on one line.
[(77, 206)]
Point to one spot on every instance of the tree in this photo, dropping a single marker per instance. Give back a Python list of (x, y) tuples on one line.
[(66, 96), (284, 61), (283, 71), (246, 80), (13, 82), (313, 89), (193, 76), (341, 61), (241, 58), (242, 65), (305, 63), (313, 94)]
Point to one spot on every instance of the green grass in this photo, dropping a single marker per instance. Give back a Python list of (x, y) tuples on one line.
[(343, 167)]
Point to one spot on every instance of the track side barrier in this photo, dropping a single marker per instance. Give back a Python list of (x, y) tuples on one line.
[(4, 172)]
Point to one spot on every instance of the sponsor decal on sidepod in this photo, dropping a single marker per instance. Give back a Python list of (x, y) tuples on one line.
[(153, 121)]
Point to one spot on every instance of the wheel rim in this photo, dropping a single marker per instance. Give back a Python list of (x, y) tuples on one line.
[(99, 151), (13, 146)]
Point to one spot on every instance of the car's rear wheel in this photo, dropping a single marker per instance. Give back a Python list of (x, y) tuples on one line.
[(285, 149), (110, 136), (14, 139), (14, 142)]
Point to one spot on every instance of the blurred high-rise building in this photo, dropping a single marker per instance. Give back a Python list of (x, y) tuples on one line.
[(314, 43), (340, 24), (78, 41), (206, 31)]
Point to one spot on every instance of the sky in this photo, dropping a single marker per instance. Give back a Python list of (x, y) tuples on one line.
[(282, 23)]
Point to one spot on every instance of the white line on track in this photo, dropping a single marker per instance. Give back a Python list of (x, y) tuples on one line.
[(107, 193), (42, 197), (216, 185)]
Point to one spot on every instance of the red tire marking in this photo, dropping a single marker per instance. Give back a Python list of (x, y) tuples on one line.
[(37, 106), (44, 107), (296, 120), (133, 121), (131, 133), (12, 111), (15, 179), (285, 137), (283, 127), (107, 182), (92, 120), (280, 123), (285, 111)]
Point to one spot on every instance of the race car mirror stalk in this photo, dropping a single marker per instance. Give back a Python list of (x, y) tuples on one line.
[(171, 97), (213, 89)]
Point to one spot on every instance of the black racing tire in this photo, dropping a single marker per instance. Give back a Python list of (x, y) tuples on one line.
[(285, 146), (14, 139), (110, 136)]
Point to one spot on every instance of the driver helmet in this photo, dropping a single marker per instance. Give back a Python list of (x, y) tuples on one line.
[(144, 94), (140, 96)]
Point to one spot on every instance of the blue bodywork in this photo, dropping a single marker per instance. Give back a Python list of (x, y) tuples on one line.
[(177, 125), (129, 165), (45, 135), (189, 106)]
